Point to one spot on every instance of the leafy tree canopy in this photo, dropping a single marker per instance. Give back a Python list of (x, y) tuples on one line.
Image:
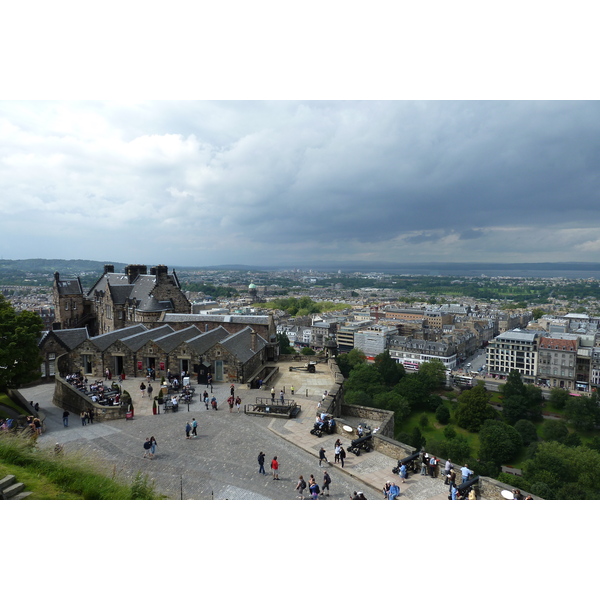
[(498, 442), (19, 353), (474, 409)]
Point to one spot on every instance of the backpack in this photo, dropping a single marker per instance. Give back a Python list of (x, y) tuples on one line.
[(303, 485), (147, 445)]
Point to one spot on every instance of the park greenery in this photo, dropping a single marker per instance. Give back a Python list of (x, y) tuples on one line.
[(303, 306), (555, 453), (19, 355)]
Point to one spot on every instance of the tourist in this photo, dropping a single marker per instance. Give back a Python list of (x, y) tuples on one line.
[(230, 401), (342, 455), (213, 403), (386, 489), (188, 429), (466, 473), (232, 390), (238, 403), (433, 466), (83, 417), (300, 487), (322, 456), (261, 463), (314, 490), (147, 446), (153, 444), (424, 462), (275, 468), (337, 450), (394, 491), (281, 397), (326, 482), (403, 472), (142, 388), (66, 414), (447, 468), (272, 394), (150, 390), (194, 428)]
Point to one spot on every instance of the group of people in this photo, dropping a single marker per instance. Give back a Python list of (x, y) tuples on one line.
[(339, 454), (150, 447), (34, 424), (391, 490), (313, 487), (237, 401)]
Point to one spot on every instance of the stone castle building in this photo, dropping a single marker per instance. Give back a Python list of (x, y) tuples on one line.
[(118, 300)]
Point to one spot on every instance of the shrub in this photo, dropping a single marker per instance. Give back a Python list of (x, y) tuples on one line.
[(442, 414)]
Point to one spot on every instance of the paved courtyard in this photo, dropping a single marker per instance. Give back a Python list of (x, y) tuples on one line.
[(221, 463)]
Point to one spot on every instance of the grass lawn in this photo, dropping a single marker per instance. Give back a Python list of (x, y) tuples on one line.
[(6, 401)]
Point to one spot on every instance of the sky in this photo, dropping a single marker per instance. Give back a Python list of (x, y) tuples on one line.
[(243, 134), (198, 183)]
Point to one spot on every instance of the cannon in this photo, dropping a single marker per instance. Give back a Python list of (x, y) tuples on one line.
[(410, 462), (327, 426), (362, 443), (465, 487), (310, 367)]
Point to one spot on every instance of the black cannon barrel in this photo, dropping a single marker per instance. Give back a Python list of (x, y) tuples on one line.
[(361, 440), (407, 459), (467, 484)]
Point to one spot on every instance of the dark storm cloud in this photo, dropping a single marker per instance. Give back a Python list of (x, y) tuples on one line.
[(278, 179)]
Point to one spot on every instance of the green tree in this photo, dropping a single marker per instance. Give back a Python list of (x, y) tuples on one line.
[(559, 397), (391, 371), (537, 313), (474, 409), (284, 344), (20, 358), (346, 362), (520, 401), (569, 473), (442, 414), (527, 431), (432, 373), (583, 411), (307, 351), (554, 431), (498, 442)]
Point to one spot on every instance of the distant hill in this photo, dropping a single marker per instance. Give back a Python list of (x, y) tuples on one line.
[(51, 265)]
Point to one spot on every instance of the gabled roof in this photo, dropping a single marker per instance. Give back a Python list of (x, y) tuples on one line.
[(136, 341), (240, 344), (170, 341), (68, 338), (102, 342), (191, 318), (205, 341)]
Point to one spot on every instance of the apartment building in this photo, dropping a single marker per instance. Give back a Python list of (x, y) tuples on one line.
[(514, 350)]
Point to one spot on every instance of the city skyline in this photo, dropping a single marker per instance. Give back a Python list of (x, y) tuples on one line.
[(292, 182)]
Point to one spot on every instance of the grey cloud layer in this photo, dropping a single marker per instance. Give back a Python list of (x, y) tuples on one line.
[(262, 182)]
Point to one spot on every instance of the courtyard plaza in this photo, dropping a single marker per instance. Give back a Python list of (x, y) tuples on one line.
[(221, 462)]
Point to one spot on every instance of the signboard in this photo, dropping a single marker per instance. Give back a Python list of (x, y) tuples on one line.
[(161, 366), (139, 365)]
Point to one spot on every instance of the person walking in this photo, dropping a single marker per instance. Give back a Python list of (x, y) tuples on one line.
[(326, 482), (143, 388), (205, 396), (238, 403), (188, 429), (82, 416), (275, 468), (91, 416), (322, 457), (292, 390), (150, 389), (272, 394), (230, 401), (300, 487), (342, 455), (209, 382), (153, 445), (213, 403), (261, 463), (66, 414), (336, 455), (194, 428), (232, 390), (147, 446)]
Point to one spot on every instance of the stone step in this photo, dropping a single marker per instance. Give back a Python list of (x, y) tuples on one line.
[(21, 496), (7, 481), (13, 490)]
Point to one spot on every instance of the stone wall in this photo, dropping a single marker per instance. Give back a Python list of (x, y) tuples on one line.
[(69, 398)]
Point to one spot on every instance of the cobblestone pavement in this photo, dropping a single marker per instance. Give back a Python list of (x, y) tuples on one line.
[(221, 462)]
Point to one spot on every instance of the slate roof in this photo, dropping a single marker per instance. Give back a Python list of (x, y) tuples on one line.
[(191, 318), (240, 344), (67, 287), (136, 341), (205, 341), (102, 342), (170, 341), (69, 338)]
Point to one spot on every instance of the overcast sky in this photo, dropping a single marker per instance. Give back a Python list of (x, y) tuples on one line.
[(284, 183)]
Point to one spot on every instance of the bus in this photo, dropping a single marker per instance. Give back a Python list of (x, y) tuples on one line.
[(463, 381)]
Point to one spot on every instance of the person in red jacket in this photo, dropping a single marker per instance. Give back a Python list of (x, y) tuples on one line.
[(275, 468)]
